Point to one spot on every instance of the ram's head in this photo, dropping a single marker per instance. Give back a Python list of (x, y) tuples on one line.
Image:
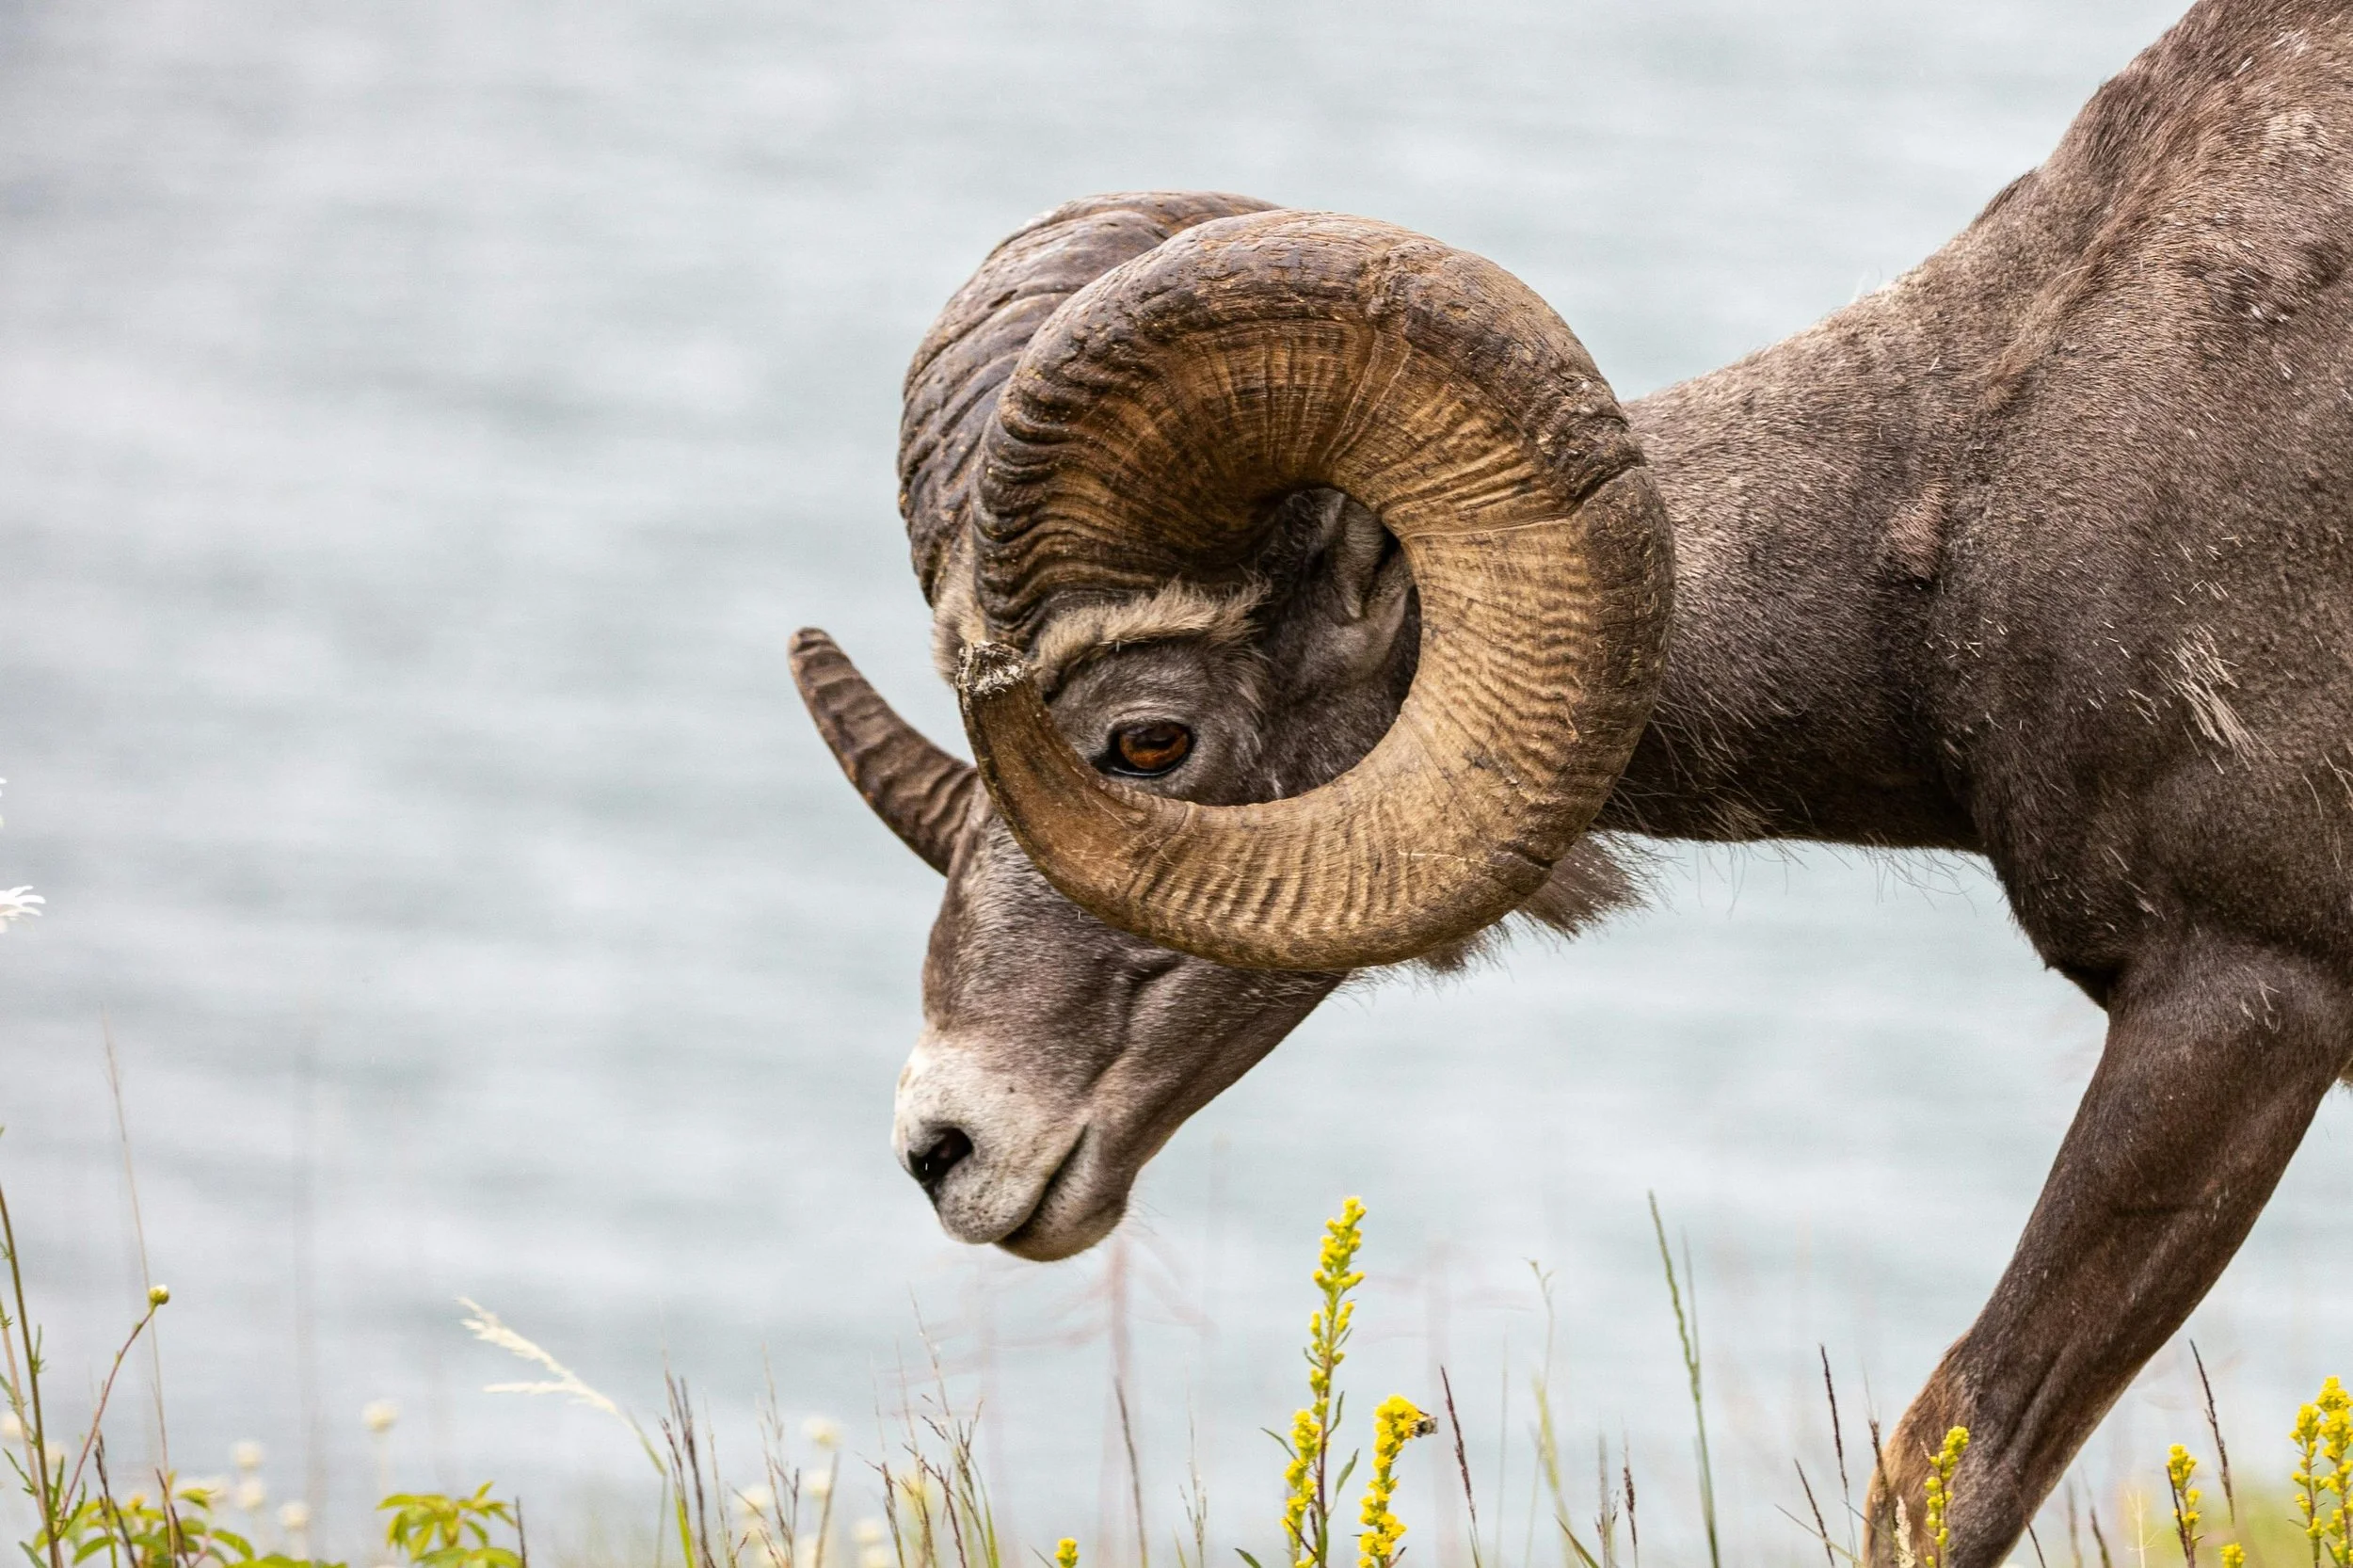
[(1305, 594)]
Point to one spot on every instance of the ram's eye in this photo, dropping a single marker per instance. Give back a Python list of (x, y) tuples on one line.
[(1147, 750)]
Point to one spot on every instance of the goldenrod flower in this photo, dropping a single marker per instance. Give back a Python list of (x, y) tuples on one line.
[(1066, 1553), (2234, 1555), (1394, 1425), (2179, 1467), (1299, 1479), (2324, 1450), (2335, 1528), (1940, 1491), (1306, 1502)]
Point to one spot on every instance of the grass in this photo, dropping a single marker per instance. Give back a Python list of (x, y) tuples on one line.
[(936, 1513)]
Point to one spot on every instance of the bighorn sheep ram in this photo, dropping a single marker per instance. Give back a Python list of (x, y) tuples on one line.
[(1311, 599)]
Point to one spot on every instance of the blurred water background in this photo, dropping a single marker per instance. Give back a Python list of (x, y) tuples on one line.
[(422, 425)]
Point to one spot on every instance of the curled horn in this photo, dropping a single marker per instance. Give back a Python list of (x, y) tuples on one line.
[(919, 791), (1142, 435), (953, 385)]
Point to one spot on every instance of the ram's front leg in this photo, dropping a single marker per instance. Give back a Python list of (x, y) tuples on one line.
[(2217, 1057)]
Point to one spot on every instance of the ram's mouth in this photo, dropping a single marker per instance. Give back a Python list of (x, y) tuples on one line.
[(1062, 1222)]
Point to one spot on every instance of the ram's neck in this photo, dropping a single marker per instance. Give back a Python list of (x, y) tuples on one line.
[(1810, 486)]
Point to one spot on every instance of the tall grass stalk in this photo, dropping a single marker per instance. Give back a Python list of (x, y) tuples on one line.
[(1820, 1527), (1135, 1472), (138, 1234), (1605, 1517), (486, 1325), (25, 1393), (2214, 1428), (1572, 1551), (1838, 1446), (1462, 1464), (1688, 1333), (1195, 1496)]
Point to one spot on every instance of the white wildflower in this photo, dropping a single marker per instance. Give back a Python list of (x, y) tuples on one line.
[(876, 1557), (818, 1485), (295, 1517), (247, 1455), (252, 1494), (379, 1415), (823, 1431), (755, 1501), (12, 1429), (17, 902), (867, 1532)]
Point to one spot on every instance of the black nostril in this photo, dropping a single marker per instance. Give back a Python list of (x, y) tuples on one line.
[(930, 1165)]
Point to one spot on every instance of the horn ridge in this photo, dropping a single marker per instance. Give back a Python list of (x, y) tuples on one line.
[(956, 374)]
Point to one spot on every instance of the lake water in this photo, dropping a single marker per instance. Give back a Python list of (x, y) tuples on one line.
[(423, 423)]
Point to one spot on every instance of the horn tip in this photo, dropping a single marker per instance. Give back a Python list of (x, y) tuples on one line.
[(990, 669)]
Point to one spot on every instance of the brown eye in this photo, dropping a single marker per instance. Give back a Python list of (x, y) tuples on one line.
[(1148, 749)]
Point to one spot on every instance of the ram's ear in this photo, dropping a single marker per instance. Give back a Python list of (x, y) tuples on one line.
[(1352, 608)]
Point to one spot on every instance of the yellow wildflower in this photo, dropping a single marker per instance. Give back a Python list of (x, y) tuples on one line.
[(1299, 1478), (1394, 1425), (2324, 1450), (1306, 1501), (1066, 1554), (1940, 1491), (2336, 1449), (2179, 1467)]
